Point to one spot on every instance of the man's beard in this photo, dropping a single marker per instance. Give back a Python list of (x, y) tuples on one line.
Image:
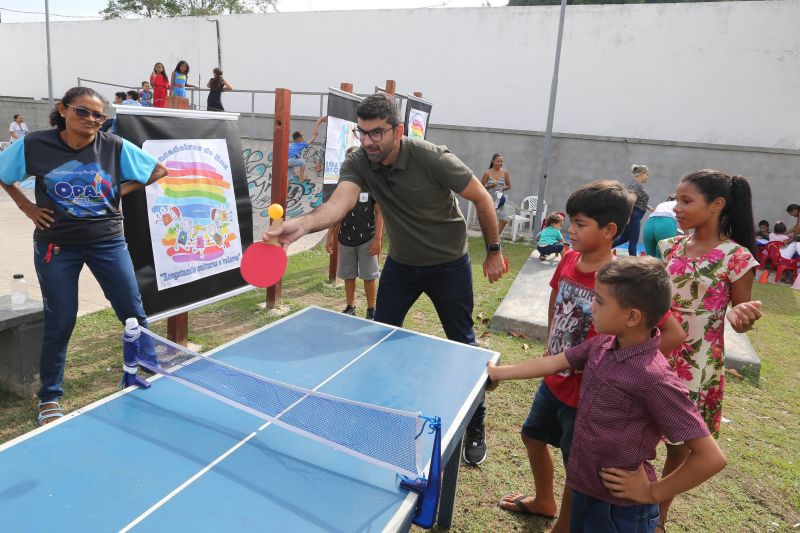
[(380, 154)]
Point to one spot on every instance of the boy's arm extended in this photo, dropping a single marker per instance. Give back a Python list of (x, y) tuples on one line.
[(317, 124), (550, 310), (705, 460), (532, 368)]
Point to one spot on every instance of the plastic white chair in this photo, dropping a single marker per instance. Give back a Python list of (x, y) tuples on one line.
[(526, 212)]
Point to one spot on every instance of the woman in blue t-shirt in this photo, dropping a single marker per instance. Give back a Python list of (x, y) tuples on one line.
[(81, 174)]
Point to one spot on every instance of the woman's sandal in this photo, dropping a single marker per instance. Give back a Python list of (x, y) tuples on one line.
[(50, 414)]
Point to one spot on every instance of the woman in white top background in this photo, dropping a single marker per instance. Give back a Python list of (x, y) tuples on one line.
[(496, 179), (660, 225), (17, 129)]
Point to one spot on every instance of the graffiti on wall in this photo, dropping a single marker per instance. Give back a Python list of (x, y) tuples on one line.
[(303, 194)]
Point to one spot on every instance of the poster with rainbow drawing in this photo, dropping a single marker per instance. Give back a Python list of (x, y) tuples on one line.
[(417, 124), (194, 228)]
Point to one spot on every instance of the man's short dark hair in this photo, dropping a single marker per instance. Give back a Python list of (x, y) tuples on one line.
[(604, 201), (133, 95), (793, 207), (763, 223), (379, 105), (296, 136), (121, 95), (638, 283)]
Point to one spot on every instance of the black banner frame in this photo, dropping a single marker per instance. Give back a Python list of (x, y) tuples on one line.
[(139, 124), (420, 104), (340, 105)]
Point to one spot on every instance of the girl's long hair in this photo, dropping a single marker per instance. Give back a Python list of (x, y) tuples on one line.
[(178, 68), (163, 72), (736, 218), (494, 156)]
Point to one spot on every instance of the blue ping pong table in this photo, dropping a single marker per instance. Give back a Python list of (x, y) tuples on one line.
[(173, 459)]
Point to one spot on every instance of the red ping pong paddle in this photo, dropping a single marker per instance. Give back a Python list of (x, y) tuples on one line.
[(264, 263)]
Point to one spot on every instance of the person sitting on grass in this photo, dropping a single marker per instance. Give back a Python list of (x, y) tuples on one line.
[(630, 397), (550, 240)]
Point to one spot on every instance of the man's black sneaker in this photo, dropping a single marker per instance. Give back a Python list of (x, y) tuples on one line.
[(349, 310), (370, 313), (474, 445)]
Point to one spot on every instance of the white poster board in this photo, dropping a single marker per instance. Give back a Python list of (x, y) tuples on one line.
[(417, 124), (194, 228), (340, 137)]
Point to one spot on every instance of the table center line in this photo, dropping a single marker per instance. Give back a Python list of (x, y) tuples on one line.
[(236, 446)]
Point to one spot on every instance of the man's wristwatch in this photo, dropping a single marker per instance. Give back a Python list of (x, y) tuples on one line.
[(493, 248)]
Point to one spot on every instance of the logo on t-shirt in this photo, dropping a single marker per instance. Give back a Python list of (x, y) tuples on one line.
[(572, 316), (83, 190)]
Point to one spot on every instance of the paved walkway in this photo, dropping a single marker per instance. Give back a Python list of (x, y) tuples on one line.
[(16, 231)]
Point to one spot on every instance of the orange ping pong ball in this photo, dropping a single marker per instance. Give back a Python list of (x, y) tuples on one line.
[(275, 211)]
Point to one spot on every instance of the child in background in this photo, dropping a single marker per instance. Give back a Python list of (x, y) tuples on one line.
[(779, 232), (131, 98), (160, 84), (763, 230), (359, 237), (180, 79), (146, 95), (709, 269), (298, 145), (550, 240), (217, 84), (629, 398)]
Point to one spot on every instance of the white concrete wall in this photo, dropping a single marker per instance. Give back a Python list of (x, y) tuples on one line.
[(724, 73)]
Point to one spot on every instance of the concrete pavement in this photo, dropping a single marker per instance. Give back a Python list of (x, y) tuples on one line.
[(16, 231)]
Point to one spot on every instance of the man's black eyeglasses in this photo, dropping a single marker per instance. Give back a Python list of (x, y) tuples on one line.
[(82, 112), (374, 135)]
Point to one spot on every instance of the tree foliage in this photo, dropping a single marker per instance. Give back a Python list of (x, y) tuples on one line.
[(183, 8)]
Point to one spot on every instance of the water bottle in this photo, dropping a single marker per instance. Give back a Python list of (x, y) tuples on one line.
[(19, 292), (131, 346)]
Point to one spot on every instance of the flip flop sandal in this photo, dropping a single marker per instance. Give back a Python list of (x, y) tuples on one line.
[(48, 415), (521, 509)]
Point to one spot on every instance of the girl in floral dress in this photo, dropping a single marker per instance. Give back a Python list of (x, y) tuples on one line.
[(710, 268)]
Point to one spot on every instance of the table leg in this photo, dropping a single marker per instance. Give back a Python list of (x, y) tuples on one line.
[(447, 500)]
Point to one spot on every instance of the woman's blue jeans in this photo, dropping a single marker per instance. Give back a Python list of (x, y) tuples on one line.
[(58, 275), (631, 232)]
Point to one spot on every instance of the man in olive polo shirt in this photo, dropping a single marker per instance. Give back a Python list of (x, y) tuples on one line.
[(415, 183)]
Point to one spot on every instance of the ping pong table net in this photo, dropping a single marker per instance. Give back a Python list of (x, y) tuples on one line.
[(383, 436)]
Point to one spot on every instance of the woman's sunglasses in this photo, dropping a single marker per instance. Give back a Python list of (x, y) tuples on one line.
[(82, 112)]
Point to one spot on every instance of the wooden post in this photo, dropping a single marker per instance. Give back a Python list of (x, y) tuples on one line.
[(418, 94), (178, 329), (280, 169), (333, 259), (390, 87)]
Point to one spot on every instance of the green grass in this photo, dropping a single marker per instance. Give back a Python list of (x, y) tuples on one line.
[(758, 491)]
